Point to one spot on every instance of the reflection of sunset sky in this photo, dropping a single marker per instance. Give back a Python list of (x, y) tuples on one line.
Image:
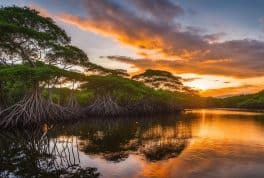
[(212, 43), (219, 141)]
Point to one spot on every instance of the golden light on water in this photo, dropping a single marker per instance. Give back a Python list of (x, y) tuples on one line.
[(217, 136), (196, 143)]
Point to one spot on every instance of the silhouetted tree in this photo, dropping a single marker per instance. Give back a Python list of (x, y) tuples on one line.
[(159, 79), (27, 36)]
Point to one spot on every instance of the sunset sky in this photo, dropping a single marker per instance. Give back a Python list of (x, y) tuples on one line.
[(216, 46)]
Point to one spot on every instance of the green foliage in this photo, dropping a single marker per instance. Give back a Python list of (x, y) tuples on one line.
[(33, 50), (67, 55), (123, 89), (13, 91), (58, 95), (255, 101), (29, 19), (25, 34), (126, 91), (94, 68), (42, 72), (83, 97)]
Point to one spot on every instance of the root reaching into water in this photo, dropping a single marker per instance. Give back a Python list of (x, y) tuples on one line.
[(33, 109), (105, 106), (148, 107), (73, 103), (141, 108)]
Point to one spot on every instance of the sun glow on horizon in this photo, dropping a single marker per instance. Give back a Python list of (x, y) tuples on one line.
[(207, 82), (211, 85)]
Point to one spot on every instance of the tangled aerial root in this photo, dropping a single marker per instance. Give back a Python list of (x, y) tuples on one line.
[(105, 106), (33, 109), (73, 103)]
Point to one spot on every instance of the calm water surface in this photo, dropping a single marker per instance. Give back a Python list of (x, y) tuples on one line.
[(197, 143)]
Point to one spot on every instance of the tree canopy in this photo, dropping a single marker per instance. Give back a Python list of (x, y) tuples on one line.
[(99, 70), (42, 72), (28, 37), (116, 86), (159, 79), (67, 56)]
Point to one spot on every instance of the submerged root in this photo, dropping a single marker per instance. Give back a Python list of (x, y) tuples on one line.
[(105, 106), (33, 109)]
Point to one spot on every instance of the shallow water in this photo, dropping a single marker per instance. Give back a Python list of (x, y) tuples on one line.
[(197, 143)]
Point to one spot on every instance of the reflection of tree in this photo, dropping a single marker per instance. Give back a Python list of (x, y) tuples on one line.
[(165, 142), (55, 152), (113, 140), (164, 151), (35, 154), (110, 139)]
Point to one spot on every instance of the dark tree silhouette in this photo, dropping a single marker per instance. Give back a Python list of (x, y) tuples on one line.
[(34, 108), (159, 79), (34, 153), (27, 36)]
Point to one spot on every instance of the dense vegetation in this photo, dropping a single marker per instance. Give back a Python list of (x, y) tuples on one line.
[(38, 83), (250, 101)]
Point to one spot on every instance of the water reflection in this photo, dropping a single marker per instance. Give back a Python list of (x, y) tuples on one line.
[(33, 153), (155, 138), (198, 143)]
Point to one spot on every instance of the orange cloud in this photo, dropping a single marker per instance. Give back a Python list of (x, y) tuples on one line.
[(243, 80), (176, 49), (199, 53), (106, 28), (222, 67)]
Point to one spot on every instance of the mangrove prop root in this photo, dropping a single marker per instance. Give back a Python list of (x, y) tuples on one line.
[(105, 106), (142, 108), (73, 103), (33, 109)]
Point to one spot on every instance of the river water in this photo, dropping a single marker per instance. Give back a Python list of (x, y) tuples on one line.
[(196, 143)]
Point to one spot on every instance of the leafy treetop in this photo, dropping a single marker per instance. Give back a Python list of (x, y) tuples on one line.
[(27, 36), (67, 56), (99, 70), (41, 72), (159, 79)]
